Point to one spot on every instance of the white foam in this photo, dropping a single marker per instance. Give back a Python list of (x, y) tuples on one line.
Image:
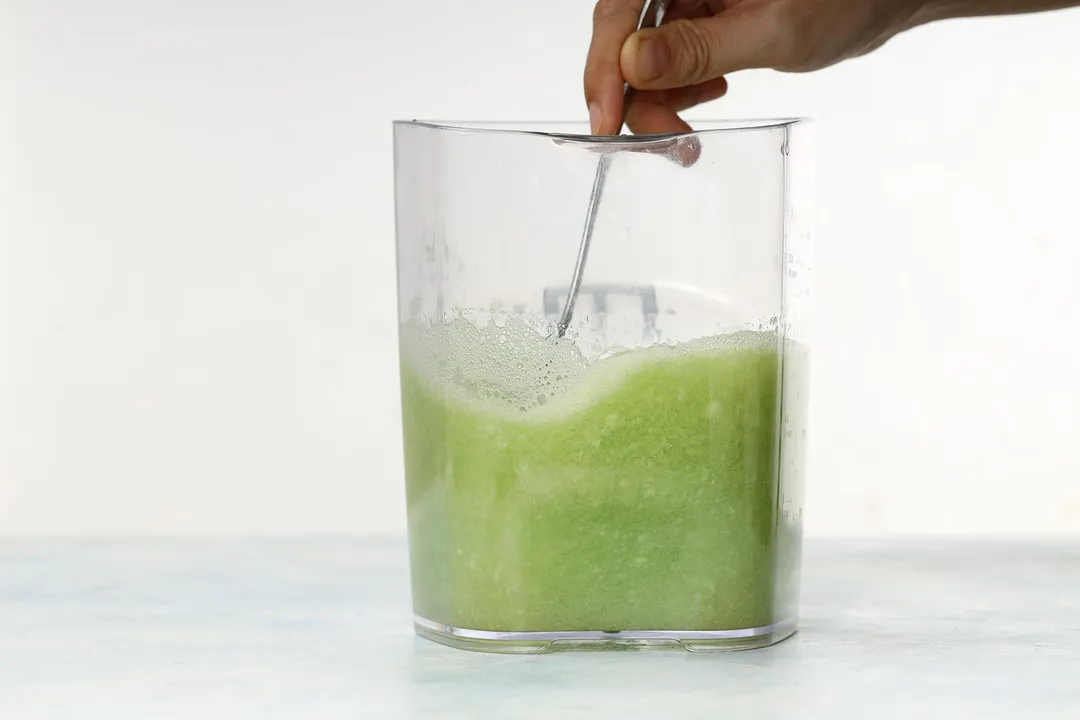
[(506, 360), (515, 364)]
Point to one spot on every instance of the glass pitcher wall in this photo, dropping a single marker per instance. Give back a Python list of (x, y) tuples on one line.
[(638, 481)]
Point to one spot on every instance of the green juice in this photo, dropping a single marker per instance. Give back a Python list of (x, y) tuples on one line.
[(634, 492)]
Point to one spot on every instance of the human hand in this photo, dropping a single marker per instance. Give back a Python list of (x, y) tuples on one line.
[(683, 62)]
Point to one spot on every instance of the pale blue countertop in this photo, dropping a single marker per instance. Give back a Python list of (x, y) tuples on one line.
[(320, 628)]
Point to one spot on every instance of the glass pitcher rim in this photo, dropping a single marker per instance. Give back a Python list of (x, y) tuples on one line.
[(534, 128)]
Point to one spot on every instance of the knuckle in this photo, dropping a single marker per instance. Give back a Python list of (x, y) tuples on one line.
[(604, 10), (691, 50)]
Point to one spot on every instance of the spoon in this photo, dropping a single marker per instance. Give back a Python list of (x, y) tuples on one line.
[(652, 14)]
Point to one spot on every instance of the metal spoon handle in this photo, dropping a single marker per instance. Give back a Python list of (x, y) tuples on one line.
[(652, 14)]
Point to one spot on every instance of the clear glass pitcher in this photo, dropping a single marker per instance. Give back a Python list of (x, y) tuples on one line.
[(638, 481)]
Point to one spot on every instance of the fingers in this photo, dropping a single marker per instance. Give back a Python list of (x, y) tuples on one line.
[(654, 118), (653, 112), (651, 118), (613, 22), (691, 52), (656, 113), (691, 9)]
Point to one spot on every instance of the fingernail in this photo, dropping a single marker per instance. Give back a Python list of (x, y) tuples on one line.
[(596, 118), (652, 59)]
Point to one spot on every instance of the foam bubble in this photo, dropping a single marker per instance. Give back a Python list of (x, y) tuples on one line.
[(515, 364), (510, 361)]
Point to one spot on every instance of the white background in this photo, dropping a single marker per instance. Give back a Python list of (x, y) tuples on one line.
[(197, 259)]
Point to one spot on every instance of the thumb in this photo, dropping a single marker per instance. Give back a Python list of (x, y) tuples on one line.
[(689, 52)]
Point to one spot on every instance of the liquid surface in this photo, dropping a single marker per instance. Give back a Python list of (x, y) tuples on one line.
[(635, 492)]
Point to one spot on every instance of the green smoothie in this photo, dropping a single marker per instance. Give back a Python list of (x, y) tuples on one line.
[(632, 492)]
